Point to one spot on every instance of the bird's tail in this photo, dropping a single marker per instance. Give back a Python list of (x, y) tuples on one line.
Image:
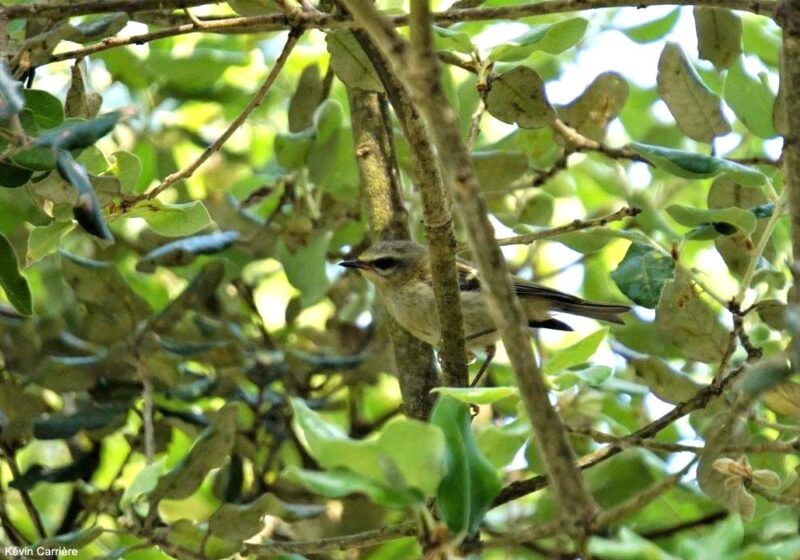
[(608, 312)]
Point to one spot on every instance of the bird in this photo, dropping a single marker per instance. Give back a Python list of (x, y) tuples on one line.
[(400, 270)]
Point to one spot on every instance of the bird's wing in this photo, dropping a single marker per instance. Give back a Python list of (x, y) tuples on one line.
[(468, 280)]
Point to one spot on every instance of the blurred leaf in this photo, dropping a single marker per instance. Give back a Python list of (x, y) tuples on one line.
[(75, 134), (145, 482), (350, 63), (598, 105), (98, 28), (642, 274), (190, 536), (691, 165), (784, 399), (451, 39), (13, 283), (696, 109), (89, 418), (575, 354), (253, 7), (12, 100), (666, 383), (627, 546), (518, 96), (209, 451), (553, 39), (340, 483), (719, 35), (81, 102), (46, 108), (688, 216), (305, 267), (653, 30), (292, 148), (87, 208), (185, 251), (478, 395), (173, 220), (237, 523), (18, 409), (74, 540), (496, 170), (44, 240), (751, 99), (689, 323), (127, 167), (727, 429), (12, 176), (306, 99), (471, 482)]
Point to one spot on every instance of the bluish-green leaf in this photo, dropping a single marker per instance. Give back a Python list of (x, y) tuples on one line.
[(643, 273), (46, 108), (471, 483), (13, 283), (184, 251), (75, 134), (553, 39), (692, 165), (12, 100), (87, 208), (751, 99)]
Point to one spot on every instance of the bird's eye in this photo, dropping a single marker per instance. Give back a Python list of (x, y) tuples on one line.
[(385, 263)]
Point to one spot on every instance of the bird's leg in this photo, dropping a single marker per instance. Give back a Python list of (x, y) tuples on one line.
[(490, 351)]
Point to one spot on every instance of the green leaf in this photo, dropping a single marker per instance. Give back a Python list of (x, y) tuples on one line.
[(185, 251), (12, 100), (340, 483), (478, 395), (292, 148), (575, 354), (691, 165), (12, 281), (598, 105), (518, 96), (591, 375), (127, 167), (642, 274), (406, 454), (238, 522), (689, 323), (451, 39), (44, 240), (89, 418), (668, 384), (209, 451), (350, 63), (46, 108), (87, 208), (173, 220), (144, 482), (305, 267), (305, 100), (471, 483), (697, 110), (75, 134), (81, 102), (653, 30), (553, 39), (719, 35), (740, 219), (751, 99), (189, 536), (12, 176), (497, 169)]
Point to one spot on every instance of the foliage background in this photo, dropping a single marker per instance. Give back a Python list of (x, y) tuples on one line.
[(160, 394)]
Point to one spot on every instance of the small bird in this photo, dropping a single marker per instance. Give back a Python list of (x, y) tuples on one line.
[(401, 272)]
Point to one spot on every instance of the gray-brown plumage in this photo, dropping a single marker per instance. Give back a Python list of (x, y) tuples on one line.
[(401, 273)]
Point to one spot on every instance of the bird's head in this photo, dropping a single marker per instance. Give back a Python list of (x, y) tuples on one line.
[(391, 263)]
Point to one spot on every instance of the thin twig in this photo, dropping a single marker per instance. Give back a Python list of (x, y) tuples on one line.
[(331, 544), (11, 461), (257, 99)]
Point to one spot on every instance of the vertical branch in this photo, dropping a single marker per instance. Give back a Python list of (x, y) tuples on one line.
[(417, 68), (438, 219), (788, 17), (388, 219)]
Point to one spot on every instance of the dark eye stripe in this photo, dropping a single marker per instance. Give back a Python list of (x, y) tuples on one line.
[(385, 263)]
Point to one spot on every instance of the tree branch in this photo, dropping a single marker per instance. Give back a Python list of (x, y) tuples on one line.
[(388, 219), (438, 220), (332, 544), (11, 461), (257, 99), (416, 66)]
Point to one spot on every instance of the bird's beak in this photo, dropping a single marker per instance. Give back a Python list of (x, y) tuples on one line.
[(355, 263)]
